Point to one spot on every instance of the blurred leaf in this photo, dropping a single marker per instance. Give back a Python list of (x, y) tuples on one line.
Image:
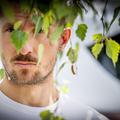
[(73, 53), (74, 69), (7, 10), (40, 52), (46, 115), (2, 73), (112, 50), (19, 38), (96, 49), (116, 13), (81, 31), (97, 37), (38, 25), (17, 25), (77, 47), (68, 25), (48, 19), (64, 89), (63, 64), (56, 35)]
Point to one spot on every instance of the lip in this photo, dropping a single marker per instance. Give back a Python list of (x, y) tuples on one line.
[(24, 64)]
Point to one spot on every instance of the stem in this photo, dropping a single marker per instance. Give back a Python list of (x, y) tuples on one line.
[(102, 18)]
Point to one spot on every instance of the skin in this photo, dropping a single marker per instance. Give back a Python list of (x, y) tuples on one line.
[(28, 81)]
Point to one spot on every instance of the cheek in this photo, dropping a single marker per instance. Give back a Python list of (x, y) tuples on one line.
[(6, 43)]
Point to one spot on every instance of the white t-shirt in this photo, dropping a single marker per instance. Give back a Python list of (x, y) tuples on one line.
[(66, 107)]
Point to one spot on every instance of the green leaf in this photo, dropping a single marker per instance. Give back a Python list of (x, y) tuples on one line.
[(96, 49), (56, 35), (97, 37), (46, 115), (19, 38), (38, 25), (40, 53), (7, 10), (2, 73), (116, 13), (48, 19), (77, 47), (17, 25), (68, 25), (112, 50), (64, 89), (81, 31), (73, 54)]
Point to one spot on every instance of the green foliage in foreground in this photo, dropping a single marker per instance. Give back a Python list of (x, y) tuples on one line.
[(47, 115)]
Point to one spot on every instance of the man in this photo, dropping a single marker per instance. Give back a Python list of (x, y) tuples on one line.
[(28, 87)]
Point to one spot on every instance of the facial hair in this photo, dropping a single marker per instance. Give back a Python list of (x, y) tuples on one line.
[(37, 77)]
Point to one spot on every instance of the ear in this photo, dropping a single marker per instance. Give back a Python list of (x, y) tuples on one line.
[(64, 38)]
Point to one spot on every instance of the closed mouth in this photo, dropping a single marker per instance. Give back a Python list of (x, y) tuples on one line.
[(24, 63)]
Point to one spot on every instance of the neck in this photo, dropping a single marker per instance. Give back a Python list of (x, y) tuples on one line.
[(33, 95)]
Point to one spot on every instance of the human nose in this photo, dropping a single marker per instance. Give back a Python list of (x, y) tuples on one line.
[(26, 49)]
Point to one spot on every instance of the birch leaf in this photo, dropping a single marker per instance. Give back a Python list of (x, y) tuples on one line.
[(38, 25), (2, 73), (19, 38), (40, 52), (81, 31), (96, 49), (97, 37), (112, 50), (56, 35)]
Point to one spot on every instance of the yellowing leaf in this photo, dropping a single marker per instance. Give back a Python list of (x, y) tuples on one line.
[(64, 89), (96, 49), (97, 37), (81, 31), (17, 25), (40, 52), (112, 50)]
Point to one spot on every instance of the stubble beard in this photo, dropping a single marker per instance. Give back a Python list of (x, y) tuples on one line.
[(36, 78)]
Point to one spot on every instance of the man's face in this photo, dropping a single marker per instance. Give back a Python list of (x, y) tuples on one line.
[(22, 68)]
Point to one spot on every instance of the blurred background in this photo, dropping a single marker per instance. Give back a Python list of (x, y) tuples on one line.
[(97, 82)]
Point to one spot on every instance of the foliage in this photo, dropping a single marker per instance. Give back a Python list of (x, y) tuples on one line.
[(112, 50), (96, 49), (47, 115), (112, 47), (19, 38), (54, 37), (2, 73), (81, 31), (40, 52)]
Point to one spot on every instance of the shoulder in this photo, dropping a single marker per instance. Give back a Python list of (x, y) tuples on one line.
[(74, 109)]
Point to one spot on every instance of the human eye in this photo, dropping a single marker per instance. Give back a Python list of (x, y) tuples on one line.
[(8, 28)]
